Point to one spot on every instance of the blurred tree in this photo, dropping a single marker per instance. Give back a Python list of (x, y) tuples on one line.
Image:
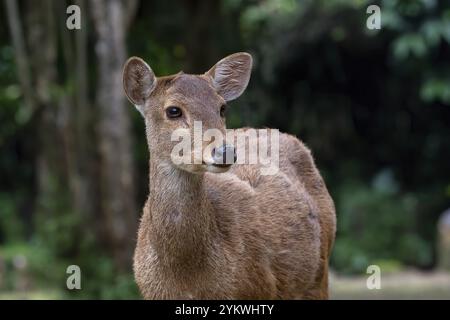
[(117, 202), (39, 71), (201, 23), (70, 173), (444, 240)]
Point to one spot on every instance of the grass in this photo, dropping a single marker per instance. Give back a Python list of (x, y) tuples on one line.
[(396, 285), (31, 295), (399, 285)]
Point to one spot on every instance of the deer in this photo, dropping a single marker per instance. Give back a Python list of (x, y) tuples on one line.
[(221, 230)]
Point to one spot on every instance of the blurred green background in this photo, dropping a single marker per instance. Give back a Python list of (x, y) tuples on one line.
[(373, 105)]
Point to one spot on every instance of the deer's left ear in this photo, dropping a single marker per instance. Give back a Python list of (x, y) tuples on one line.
[(230, 75)]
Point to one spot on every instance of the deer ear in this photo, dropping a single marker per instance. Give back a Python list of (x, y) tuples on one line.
[(231, 75), (138, 80)]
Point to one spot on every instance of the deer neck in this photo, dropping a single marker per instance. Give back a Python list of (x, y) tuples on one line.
[(181, 225)]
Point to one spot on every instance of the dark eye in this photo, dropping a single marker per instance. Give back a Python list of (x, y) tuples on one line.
[(223, 108), (173, 112)]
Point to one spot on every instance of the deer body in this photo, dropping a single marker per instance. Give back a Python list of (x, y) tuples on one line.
[(236, 234)]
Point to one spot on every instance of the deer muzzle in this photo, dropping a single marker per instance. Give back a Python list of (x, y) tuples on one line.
[(224, 156)]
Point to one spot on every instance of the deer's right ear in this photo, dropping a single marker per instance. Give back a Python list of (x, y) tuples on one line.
[(138, 80)]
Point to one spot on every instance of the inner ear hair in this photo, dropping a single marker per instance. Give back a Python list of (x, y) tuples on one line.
[(138, 80), (231, 75)]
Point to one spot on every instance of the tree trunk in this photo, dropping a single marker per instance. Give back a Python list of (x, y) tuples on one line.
[(51, 158), (23, 68), (203, 16), (118, 209), (444, 241), (84, 154)]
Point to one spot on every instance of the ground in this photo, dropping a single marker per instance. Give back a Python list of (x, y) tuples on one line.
[(399, 285)]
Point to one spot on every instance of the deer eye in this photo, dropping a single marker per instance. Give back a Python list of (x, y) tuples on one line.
[(223, 108), (173, 112)]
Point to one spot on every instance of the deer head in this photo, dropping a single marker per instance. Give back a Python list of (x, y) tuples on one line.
[(179, 103)]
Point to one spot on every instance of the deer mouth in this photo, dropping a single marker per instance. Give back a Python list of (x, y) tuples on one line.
[(220, 165), (216, 167)]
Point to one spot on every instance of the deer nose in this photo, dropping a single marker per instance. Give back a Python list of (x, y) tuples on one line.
[(224, 156)]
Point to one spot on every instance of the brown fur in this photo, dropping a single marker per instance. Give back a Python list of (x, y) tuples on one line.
[(231, 235)]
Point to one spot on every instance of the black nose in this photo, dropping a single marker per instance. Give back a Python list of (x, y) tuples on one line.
[(224, 155)]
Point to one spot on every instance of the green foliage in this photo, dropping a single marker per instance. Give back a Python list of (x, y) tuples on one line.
[(42, 263), (376, 222), (67, 240), (10, 225), (422, 31), (436, 90)]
